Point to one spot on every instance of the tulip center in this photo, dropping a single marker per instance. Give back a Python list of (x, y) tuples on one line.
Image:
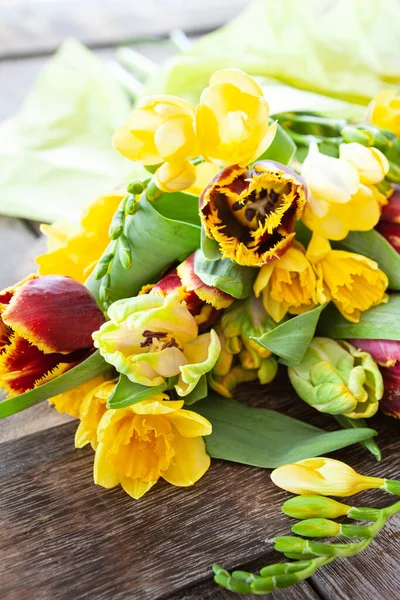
[(157, 340)]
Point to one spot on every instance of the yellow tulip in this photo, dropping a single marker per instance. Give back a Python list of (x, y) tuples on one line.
[(232, 120), (353, 282), (370, 163), (175, 176), (70, 402), (160, 129), (92, 408), (323, 476), (74, 251), (385, 111), (148, 440), (287, 284)]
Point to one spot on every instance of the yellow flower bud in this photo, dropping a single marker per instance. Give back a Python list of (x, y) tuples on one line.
[(160, 129), (175, 176), (323, 476), (232, 119), (370, 163), (385, 111)]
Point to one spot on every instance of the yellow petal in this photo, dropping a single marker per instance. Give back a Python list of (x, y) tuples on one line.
[(189, 463), (190, 424), (371, 164), (136, 488), (158, 405), (239, 79), (175, 176)]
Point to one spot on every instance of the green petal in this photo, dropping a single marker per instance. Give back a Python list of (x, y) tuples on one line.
[(207, 347)]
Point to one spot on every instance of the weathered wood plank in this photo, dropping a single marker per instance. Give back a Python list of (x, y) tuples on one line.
[(38, 28), (86, 542)]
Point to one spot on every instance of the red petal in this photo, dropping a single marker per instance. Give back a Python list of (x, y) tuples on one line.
[(390, 231), (391, 212), (390, 403), (385, 352), (207, 293), (168, 284), (23, 366), (57, 314)]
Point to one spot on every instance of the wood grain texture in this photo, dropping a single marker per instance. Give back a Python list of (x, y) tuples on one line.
[(39, 27), (68, 538)]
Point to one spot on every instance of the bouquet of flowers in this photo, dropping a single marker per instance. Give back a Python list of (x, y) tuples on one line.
[(250, 243)]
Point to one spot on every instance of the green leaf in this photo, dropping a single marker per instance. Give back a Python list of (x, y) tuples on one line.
[(88, 369), (282, 148), (373, 245), (290, 339), (209, 247), (199, 392), (266, 438), (179, 207), (127, 393), (156, 240), (381, 322), (370, 444), (225, 275)]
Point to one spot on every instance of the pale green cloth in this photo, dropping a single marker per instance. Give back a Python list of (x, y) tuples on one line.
[(56, 153), (347, 49)]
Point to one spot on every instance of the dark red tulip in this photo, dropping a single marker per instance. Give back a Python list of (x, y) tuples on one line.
[(46, 326)]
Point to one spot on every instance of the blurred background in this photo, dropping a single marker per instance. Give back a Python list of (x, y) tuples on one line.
[(31, 30)]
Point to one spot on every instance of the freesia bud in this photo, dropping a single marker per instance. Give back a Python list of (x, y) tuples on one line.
[(46, 326), (338, 379), (323, 476), (232, 119), (316, 528), (370, 163), (160, 129), (175, 176), (304, 507)]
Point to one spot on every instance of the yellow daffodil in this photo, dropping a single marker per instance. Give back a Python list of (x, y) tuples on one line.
[(323, 476), (148, 440), (91, 409), (251, 212), (370, 163), (342, 196), (160, 129), (74, 251), (232, 119), (70, 402), (151, 338), (384, 111), (287, 284), (353, 282), (175, 176)]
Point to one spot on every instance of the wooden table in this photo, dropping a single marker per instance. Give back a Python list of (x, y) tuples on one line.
[(62, 537)]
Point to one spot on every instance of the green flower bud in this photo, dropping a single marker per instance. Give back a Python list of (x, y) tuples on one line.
[(305, 507), (136, 187), (336, 378), (269, 584), (364, 514), (117, 224), (297, 546), (279, 568), (124, 253), (393, 174), (317, 528)]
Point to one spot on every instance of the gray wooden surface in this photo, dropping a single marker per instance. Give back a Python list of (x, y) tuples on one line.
[(62, 537)]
